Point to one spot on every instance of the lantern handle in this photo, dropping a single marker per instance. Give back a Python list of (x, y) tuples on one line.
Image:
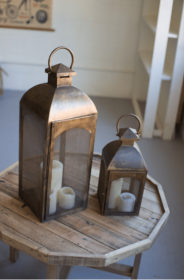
[(132, 115), (59, 48)]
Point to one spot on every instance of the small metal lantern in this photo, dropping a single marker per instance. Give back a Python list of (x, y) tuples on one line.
[(57, 132), (122, 174)]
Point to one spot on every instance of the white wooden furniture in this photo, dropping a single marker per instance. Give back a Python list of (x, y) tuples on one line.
[(160, 66), (85, 238)]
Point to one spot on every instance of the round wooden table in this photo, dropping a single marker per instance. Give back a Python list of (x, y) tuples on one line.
[(85, 238)]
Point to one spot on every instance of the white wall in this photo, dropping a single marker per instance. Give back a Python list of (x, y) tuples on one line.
[(103, 34)]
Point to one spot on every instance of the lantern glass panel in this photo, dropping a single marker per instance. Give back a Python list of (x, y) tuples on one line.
[(123, 193), (71, 155), (33, 141)]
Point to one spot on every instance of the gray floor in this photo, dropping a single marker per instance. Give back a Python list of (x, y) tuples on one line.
[(165, 161)]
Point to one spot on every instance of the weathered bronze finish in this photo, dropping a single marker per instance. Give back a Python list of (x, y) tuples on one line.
[(57, 122), (122, 161), (120, 132), (55, 50)]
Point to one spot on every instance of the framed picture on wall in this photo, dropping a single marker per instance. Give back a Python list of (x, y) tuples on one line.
[(26, 14)]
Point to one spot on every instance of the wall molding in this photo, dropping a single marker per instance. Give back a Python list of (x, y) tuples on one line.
[(93, 81)]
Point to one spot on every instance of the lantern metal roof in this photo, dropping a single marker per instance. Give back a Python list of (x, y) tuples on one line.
[(123, 157), (121, 154), (53, 104), (57, 99), (60, 70), (127, 133)]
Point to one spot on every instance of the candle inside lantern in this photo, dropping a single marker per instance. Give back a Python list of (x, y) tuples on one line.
[(126, 202), (66, 198), (57, 176), (53, 201), (115, 191)]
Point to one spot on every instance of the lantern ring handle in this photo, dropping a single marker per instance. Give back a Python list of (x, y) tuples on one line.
[(127, 115), (59, 48)]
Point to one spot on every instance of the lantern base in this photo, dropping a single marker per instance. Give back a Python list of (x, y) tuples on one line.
[(117, 213), (79, 205)]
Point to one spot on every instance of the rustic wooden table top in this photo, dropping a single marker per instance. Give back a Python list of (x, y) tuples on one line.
[(86, 237)]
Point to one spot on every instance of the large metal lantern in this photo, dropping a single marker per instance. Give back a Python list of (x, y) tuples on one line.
[(122, 174), (57, 132)]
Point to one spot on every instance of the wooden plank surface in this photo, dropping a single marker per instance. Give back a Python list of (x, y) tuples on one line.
[(134, 222), (9, 188), (24, 244), (159, 227), (11, 177), (86, 232), (109, 224), (95, 231), (14, 165), (78, 238), (152, 206), (55, 227), (37, 233), (149, 215), (127, 251), (71, 259), (2, 228), (15, 170)]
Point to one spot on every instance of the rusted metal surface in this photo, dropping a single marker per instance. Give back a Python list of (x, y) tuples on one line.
[(127, 158), (42, 108), (87, 123), (129, 115), (120, 159), (55, 50)]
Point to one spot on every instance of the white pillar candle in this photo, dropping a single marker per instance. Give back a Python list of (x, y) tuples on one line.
[(53, 201), (115, 191), (66, 198), (57, 176), (126, 202)]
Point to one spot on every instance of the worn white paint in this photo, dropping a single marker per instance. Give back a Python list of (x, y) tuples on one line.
[(93, 82), (160, 68), (176, 84), (151, 21), (146, 58), (157, 66)]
